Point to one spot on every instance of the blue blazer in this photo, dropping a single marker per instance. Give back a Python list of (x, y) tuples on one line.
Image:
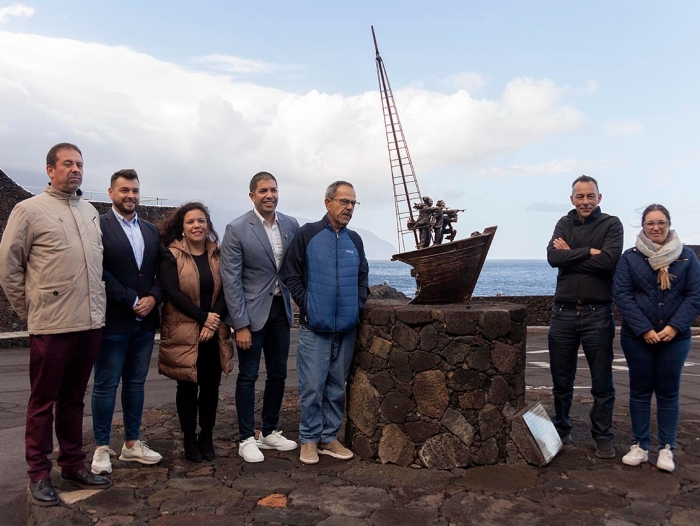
[(249, 271), (124, 281)]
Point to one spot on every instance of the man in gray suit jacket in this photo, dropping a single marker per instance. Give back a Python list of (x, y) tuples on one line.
[(260, 312)]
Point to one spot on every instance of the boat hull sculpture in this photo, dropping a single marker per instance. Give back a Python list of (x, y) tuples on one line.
[(448, 273)]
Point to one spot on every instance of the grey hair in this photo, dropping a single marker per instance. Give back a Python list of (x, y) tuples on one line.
[(332, 189)]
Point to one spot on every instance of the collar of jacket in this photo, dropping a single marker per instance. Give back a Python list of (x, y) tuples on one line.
[(574, 215), (327, 224), (62, 195), (184, 246)]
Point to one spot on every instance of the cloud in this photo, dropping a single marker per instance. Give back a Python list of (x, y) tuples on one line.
[(546, 206), (238, 65), (623, 128), (470, 81), (557, 166), (15, 11), (201, 135), (590, 87)]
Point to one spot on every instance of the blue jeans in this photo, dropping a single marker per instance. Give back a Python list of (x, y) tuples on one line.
[(655, 369), (125, 356), (323, 364), (272, 340), (593, 327)]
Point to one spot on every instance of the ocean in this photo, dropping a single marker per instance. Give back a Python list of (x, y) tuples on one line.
[(507, 277)]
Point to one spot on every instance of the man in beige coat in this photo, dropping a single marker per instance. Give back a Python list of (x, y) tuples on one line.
[(51, 271)]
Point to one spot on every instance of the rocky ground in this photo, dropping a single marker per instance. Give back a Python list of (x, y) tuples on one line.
[(576, 489)]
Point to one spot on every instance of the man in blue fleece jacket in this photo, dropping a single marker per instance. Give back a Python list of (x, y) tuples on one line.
[(326, 272)]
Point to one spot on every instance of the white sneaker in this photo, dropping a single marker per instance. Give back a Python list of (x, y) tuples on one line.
[(140, 452), (665, 460), (101, 464), (636, 456), (249, 449), (275, 440)]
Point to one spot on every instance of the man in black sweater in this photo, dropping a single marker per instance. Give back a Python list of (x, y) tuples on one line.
[(585, 247)]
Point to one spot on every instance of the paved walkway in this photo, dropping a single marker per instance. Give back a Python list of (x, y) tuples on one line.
[(575, 489)]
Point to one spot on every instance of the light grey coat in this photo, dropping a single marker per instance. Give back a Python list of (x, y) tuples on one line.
[(249, 271)]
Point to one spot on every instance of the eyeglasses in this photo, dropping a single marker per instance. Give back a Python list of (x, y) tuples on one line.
[(345, 202), (660, 224)]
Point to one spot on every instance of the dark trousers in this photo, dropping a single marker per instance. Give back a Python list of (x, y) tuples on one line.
[(203, 396), (655, 369), (59, 370), (273, 340), (593, 328)]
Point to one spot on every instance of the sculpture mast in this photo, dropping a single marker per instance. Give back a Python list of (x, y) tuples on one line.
[(403, 176)]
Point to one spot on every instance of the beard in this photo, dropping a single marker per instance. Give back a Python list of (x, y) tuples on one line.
[(120, 206)]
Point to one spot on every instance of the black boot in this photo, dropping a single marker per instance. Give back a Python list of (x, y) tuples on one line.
[(206, 445), (192, 448)]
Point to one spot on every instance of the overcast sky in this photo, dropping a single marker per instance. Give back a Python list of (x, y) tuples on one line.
[(503, 104)]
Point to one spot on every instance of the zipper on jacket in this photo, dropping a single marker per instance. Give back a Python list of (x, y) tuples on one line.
[(337, 287)]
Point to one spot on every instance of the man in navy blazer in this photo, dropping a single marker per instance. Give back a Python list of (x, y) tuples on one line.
[(131, 258), (260, 312)]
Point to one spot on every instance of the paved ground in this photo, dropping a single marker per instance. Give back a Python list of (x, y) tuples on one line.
[(577, 487)]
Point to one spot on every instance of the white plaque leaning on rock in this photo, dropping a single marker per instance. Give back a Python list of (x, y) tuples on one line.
[(543, 431)]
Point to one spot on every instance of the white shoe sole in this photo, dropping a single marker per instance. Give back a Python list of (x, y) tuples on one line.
[(308, 461), (634, 462), (251, 460), (667, 469), (334, 455), (279, 448), (106, 471), (141, 460)]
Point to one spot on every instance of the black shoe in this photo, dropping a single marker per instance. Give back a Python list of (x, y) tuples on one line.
[(567, 439), (206, 445), (604, 448), (191, 446), (85, 479), (43, 493)]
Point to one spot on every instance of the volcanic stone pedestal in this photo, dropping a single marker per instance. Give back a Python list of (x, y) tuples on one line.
[(437, 385)]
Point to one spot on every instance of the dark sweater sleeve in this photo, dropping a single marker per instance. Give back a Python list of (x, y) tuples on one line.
[(609, 253), (170, 283), (562, 257), (292, 271)]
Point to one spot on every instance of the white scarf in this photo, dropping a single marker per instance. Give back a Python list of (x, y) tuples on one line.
[(661, 256)]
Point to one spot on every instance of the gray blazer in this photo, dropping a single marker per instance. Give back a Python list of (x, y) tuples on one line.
[(249, 271)]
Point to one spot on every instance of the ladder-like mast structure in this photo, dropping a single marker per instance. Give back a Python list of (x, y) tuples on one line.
[(403, 176)]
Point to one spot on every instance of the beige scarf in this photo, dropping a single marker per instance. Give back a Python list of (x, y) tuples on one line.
[(661, 256)]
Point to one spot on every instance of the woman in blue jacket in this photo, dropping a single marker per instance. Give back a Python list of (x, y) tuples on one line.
[(657, 291)]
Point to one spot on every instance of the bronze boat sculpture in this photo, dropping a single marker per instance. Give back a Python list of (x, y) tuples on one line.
[(445, 273)]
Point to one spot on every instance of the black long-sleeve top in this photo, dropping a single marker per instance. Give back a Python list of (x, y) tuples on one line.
[(171, 288), (582, 277)]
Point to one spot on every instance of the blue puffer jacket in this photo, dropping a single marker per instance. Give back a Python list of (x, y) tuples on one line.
[(328, 276), (644, 306)]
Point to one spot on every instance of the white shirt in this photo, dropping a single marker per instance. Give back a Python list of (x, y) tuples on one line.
[(133, 234), (275, 237)]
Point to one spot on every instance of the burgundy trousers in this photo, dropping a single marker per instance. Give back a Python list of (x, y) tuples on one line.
[(59, 370)]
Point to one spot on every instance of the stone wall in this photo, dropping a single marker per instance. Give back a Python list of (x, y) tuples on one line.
[(11, 194), (539, 309), (436, 386)]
